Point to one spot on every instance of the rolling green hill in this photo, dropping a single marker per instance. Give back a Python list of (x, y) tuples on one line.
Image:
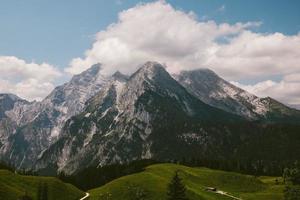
[(152, 184), (13, 186)]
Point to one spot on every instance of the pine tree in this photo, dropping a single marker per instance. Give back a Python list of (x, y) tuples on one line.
[(176, 189)]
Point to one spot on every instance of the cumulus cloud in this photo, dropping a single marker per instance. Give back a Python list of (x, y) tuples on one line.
[(257, 55), (156, 31), (31, 81), (285, 91)]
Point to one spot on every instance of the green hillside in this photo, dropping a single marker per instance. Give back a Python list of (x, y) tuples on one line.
[(152, 184), (13, 186)]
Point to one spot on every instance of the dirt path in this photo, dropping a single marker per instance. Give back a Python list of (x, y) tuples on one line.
[(214, 190), (86, 196), (228, 195)]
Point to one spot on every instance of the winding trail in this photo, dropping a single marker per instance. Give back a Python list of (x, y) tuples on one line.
[(220, 192), (228, 195), (86, 196)]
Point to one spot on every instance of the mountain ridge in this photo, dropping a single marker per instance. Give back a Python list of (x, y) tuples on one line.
[(207, 86), (97, 120), (150, 117), (39, 123)]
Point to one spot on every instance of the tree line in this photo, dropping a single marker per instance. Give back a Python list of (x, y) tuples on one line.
[(256, 167), (291, 177), (93, 177)]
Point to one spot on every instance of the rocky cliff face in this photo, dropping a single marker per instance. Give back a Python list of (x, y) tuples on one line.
[(8, 126), (98, 120), (215, 91), (7, 103), (146, 116), (39, 123)]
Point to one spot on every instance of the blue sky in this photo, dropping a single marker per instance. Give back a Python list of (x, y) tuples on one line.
[(56, 31)]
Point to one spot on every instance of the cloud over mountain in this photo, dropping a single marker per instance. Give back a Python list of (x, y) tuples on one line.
[(286, 90), (31, 81), (157, 31)]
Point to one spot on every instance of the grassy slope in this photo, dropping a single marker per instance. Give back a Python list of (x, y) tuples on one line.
[(155, 178), (13, 186)]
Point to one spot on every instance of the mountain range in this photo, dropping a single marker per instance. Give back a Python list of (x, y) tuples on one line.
[(95, 120)]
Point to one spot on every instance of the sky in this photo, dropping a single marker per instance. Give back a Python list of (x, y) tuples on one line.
[(254, 44)]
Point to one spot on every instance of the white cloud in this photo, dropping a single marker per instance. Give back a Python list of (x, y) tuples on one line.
[(28, 80), (284, 91), (292, 78), (156, 31), (257, 55)]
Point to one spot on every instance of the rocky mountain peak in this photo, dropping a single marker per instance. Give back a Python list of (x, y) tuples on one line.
[(87, 76), (205, 77), (119, 76), (9, 96), (150, 70), (215, 91), (96, 119), (7, 102), (94, 69)]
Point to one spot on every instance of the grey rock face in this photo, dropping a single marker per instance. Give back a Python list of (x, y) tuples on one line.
[(8, 126), (7, 103), (40, 123), (215, 91), (98, 120), (132, 119)]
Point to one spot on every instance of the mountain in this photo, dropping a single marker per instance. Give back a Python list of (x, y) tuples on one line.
[(147, 116), (95, 120), (7, 102), (7, 126), (215, 91), (39, 123), (296, 106)]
